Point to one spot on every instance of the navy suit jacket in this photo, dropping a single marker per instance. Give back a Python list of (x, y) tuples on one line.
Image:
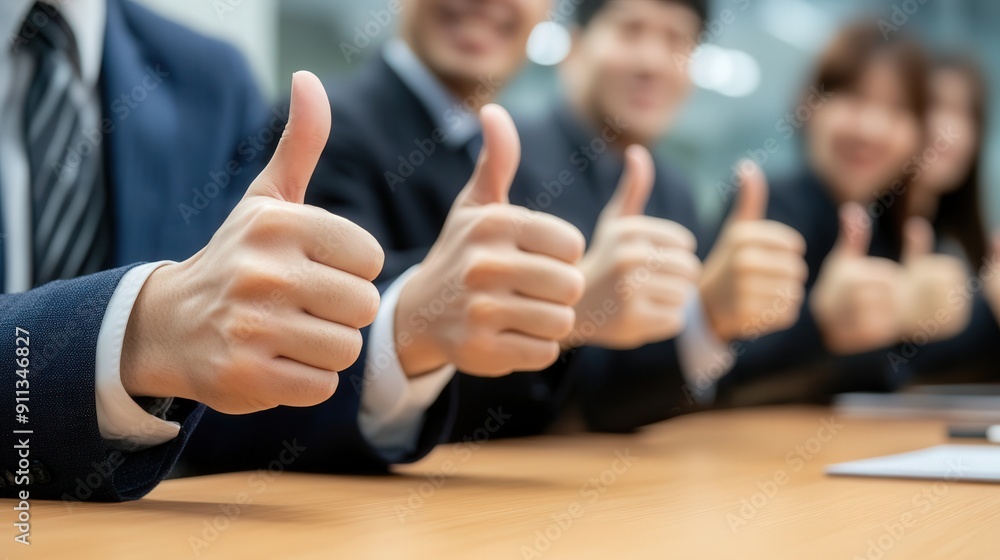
[(571, 169), (794, 364), (178, 110), (377, 173)]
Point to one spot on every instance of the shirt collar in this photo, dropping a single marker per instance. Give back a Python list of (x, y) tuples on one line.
[(87, 19), (446, 111)]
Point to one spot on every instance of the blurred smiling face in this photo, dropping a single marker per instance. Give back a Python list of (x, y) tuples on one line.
[(952, 119), (630, 63), (468, 41), (863, 136)]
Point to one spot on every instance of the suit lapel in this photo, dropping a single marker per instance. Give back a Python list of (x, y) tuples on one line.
[(138, 106)]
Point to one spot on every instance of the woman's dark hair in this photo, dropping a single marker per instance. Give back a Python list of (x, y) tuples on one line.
[(843, 65), (959, 213)]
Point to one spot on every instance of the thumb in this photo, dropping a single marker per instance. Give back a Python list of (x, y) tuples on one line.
[(918, 239), (498, 160), (752, 202), (855, 231), (635, 186), (287, 174)]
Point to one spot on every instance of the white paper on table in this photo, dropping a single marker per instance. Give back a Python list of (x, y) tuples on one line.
[(953, 463)]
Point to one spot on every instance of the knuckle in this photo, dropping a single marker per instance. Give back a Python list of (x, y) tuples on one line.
[(576, 286), (563, 320), (492, 222), (481, 310), (368, 303), (541, 356), (265, 221), (344, 349), (483, 269)]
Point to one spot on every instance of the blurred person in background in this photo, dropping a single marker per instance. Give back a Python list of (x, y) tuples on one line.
[(947, 192), (471, 282), (875, 282), (650, 324)]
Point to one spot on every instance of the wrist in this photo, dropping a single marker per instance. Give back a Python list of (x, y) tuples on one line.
[(417, 347), (145, 369)]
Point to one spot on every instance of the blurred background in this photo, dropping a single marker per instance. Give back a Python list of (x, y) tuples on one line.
[(758, 54)]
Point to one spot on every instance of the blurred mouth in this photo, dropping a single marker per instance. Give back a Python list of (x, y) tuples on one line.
[(645, 99), (859, 156), (477, 27)]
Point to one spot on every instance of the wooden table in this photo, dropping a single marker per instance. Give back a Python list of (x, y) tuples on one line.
[(735, 484)]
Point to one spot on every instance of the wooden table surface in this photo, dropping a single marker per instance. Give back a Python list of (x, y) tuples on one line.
[(734, 484)]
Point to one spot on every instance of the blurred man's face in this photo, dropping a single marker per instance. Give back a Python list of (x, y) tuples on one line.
[(631, 63), (952, 131), (861, 139), (468, 42)]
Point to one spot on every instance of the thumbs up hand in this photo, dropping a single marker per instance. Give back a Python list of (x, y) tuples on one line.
[(639, 269), (858, 301), (754, 281), (495, 293), (270, 310), (934, 279)]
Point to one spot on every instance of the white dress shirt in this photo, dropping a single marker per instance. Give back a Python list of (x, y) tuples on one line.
[(703, 357), (391, 407)]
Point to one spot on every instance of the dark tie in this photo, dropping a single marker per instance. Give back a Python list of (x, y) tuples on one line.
[(70, 213)]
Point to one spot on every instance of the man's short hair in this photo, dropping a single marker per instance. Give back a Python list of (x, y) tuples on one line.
[(587, 9)]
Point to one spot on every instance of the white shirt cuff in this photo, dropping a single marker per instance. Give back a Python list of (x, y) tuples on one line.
[(704, 359), (119, 418), (393, 406)]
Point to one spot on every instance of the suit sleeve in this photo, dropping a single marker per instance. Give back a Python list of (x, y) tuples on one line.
[(64, 456), (972, 352), (800, 350), (621, 390), (326, 437)]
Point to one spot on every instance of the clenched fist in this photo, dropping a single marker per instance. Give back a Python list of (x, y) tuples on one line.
[(513, 268), (933, 280), (270, 310), (639, 270), (755, 275), (859, 301)]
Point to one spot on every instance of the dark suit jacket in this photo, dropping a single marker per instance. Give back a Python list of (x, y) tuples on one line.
[(794, 365), (197, 104), (378, 121), (375, 120)]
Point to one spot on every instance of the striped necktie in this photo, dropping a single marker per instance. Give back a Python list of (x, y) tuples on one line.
[(71, 222)]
